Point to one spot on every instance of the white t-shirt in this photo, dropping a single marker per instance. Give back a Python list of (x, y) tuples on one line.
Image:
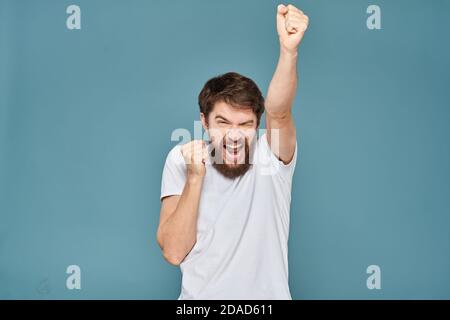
[(242, 231)]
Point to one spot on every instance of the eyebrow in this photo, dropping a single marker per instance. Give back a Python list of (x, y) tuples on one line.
[(218, 117)]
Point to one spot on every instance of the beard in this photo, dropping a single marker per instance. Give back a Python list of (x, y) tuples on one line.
[(235, 170)]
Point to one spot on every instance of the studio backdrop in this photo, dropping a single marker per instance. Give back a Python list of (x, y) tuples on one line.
[(91, 92)]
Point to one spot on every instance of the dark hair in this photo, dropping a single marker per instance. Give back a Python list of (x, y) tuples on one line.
[(234, 89)]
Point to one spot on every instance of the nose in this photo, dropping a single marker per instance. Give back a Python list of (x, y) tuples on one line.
[(234, 135)]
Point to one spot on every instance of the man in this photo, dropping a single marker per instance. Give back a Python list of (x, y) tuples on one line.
[(225, 204)]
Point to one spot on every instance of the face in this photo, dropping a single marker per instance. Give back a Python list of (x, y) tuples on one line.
[(232, 133)]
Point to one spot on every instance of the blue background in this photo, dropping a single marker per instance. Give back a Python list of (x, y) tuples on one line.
[(86, 118)]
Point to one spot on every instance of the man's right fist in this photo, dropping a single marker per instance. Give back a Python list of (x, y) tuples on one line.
[(195, 155)]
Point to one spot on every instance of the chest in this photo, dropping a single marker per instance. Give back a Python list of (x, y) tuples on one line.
[(230, 204)]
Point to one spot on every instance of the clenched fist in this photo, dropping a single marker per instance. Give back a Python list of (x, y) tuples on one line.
[(291, 26), (195, 156)]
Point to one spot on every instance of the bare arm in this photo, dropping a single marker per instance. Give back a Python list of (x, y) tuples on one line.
[(177, 231), (281, 133)]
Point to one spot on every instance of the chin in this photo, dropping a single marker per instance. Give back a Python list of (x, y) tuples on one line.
[(232, 171), (233, 164)]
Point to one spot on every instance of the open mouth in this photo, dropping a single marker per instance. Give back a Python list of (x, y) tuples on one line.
[(232, 151)]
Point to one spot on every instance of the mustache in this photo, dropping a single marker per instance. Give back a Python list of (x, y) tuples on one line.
[(230, 142), (216, 150)]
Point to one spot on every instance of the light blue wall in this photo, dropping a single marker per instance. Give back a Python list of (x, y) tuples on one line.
[(86, 118)]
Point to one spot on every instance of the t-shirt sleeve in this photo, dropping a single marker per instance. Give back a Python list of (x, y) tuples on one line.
[(270, 164), (174, 174)]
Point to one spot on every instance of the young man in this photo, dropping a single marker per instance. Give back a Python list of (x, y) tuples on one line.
[(225, 205)]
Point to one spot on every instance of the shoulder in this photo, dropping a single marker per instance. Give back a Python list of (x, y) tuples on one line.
[(175, 157), (268, 161)]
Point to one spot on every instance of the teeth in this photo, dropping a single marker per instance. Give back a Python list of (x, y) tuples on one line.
[(233, 147), (231, 150)]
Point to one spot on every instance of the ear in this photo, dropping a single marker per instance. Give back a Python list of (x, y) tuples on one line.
[(204, 121)]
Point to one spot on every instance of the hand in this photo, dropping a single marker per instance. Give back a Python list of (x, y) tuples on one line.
[(291, 26), (195, 156)]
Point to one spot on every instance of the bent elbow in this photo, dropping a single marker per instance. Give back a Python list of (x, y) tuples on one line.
[(173, 259), (169, 255), (159, 238), (172, 252)]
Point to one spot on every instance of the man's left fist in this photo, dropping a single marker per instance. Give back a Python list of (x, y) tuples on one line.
[(291, 26)]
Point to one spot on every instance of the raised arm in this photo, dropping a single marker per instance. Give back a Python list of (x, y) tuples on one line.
[(291, 26)]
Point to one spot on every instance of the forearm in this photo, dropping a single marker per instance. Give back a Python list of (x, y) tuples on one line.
[(283, 86), (179, 231)]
